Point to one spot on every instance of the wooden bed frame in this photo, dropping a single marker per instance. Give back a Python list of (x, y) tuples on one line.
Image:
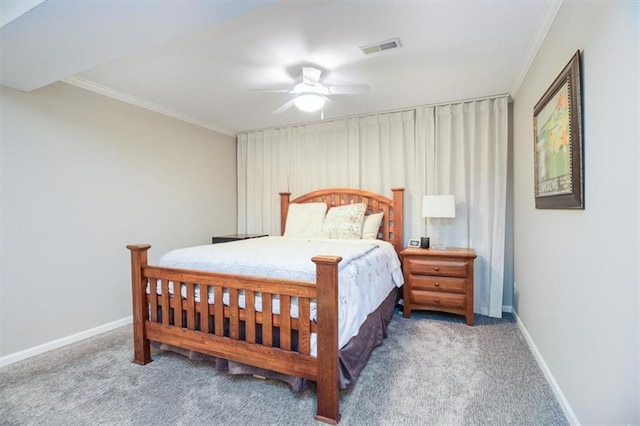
[(220, 336)]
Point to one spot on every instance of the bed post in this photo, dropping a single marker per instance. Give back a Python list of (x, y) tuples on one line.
[(284, 208), (398, 215), (141, 349), (327, 389)]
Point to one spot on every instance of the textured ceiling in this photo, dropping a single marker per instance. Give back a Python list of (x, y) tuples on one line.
[(201, 61)]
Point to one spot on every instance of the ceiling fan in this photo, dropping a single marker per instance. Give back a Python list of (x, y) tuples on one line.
[(311, 94)]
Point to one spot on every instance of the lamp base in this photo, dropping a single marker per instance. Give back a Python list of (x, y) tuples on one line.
[(438, 244)]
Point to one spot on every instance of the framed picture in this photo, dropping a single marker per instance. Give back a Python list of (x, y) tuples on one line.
[(557, 136)]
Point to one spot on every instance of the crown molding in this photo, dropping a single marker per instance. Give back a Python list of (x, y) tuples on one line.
[(542, 29), (142, 103)]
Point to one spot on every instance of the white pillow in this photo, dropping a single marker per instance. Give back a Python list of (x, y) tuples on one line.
[(305, 219), (371, 226), (344, 222)]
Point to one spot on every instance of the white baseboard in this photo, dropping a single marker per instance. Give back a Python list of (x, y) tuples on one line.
[(564, 404), (46, 347)]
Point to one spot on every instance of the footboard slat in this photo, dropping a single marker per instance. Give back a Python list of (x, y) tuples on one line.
[(176, 304), (267, 323), (203, 308), (304, 332), (219, 312), (166, 309), (191, 306), (285, 322), (250, 316), (234, 323), (153, 301)]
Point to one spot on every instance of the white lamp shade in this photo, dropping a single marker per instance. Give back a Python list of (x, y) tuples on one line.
[(309, 102), (438, 206)]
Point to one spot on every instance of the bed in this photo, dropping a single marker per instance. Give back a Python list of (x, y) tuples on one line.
[(288, 326)]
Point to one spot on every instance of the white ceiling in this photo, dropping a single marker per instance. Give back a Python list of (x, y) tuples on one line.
[(200, 61)]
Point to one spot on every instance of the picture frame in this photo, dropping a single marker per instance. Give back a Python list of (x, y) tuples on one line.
[(414, 242), (557, 142)]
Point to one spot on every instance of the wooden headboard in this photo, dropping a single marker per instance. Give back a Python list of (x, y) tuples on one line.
[(392, 226)]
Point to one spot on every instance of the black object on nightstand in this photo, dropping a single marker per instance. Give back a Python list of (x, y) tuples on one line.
[(235, 237)]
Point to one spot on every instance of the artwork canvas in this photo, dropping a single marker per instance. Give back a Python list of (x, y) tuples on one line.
[(557, 119), (552, 145)]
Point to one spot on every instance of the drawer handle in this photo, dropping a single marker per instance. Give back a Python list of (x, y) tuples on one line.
[(437, 284), (437, 300), (437, 268)]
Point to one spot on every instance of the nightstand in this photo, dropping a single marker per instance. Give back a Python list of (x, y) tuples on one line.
[(438, 280), (235, 237)]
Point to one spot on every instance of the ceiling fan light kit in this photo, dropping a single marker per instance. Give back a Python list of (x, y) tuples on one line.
[(311, 94), (309, 102)]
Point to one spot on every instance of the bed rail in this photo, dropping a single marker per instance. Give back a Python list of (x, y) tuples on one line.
[(265, 339)]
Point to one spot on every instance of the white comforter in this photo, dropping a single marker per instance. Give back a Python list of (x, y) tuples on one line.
[(367, 273)]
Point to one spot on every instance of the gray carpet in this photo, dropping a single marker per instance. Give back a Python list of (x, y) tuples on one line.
[(432, 369)]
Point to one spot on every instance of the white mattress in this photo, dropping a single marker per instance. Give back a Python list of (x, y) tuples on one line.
[(367, 273)]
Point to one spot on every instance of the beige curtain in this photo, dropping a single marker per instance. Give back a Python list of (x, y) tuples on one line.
[(458, 149), (466, 156)]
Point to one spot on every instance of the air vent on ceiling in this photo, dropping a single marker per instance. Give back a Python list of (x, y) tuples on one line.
[(379, 47)]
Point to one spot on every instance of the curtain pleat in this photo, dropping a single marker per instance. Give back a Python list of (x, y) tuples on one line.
[(458, 149), (470, 161)]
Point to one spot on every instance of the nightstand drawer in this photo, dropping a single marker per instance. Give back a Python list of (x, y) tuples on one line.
[(435, 283), (438, 300), (445, 268)]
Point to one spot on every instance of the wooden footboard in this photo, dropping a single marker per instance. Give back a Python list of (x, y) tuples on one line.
[(265, 339)]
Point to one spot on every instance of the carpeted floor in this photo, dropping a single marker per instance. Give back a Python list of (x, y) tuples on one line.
[(432, 370)]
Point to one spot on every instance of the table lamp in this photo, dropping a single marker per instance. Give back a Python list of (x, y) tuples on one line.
[(438, 207)]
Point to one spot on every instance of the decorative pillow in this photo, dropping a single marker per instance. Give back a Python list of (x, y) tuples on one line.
[(344, 222), (371, 226), (305, 220)]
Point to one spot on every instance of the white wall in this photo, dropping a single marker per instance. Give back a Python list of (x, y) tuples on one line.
[(82, 176), (577, 272)]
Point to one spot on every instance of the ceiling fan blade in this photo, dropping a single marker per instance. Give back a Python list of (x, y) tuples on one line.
[(272, 90), (348, 89), (284, 107), (311, 76)]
